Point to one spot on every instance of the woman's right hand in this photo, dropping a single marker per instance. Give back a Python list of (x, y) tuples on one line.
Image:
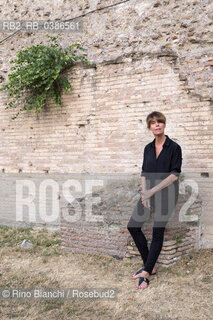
[(146, 203)]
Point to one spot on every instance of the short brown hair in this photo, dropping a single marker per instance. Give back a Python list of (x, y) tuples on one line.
[(155, 114)]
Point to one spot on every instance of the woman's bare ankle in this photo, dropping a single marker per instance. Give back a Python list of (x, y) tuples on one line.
[(154, 270), (145, 274)]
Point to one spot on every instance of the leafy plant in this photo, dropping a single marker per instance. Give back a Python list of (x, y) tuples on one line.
[(178, 239), (38, 75)]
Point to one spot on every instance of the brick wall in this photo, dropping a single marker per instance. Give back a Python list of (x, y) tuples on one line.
[(148, 56), (111, 237), (101, 127)]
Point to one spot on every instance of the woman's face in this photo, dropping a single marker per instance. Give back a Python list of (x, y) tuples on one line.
[(157, 127)]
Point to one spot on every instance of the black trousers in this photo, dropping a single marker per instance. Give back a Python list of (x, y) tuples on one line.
[(163, 206)]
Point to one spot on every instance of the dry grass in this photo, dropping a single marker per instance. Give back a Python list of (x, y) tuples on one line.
[(183, 291)]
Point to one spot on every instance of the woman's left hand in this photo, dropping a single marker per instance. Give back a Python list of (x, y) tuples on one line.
[(147, 194)]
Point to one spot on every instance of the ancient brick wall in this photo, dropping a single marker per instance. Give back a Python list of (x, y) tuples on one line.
[(148, 55), (110, 235)]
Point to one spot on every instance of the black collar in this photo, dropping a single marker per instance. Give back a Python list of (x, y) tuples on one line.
[(166, 143)]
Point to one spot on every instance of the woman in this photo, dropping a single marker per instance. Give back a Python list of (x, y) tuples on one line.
[(160, 187)]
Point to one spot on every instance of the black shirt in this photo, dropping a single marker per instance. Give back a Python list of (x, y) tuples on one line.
[(169, 160)]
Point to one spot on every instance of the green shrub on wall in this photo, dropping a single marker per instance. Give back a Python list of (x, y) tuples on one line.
[(38, 75)]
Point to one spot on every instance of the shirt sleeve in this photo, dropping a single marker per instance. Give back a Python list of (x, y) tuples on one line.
[(176, 161), (143, 165)]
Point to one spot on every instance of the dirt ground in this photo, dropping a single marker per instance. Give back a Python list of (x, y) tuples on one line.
[(183, 291)]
